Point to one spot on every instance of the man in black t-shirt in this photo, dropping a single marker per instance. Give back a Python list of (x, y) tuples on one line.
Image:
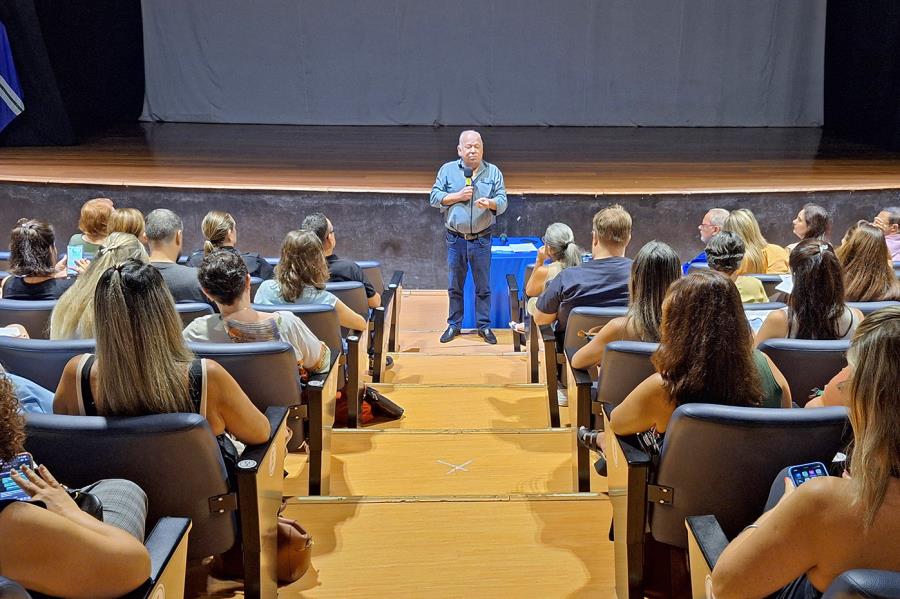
[(599, 283), (340, 269)]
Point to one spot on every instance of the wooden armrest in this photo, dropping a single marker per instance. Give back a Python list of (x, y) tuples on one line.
[(167, 545), (706, 542), (582, 377)]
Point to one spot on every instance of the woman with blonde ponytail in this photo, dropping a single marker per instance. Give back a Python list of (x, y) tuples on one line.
[(562, 251), (832, 524), (73, 316), (220, 231), (142, 365)]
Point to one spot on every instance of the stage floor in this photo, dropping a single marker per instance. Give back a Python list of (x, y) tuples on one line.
[(535, 160)]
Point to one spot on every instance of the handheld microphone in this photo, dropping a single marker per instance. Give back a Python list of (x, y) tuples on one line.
[(467, 173)]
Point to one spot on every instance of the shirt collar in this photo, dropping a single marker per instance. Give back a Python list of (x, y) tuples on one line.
[(483, 167)]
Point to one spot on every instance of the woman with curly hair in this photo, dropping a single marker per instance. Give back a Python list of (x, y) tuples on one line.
[(49, 545), (830, 524), (705, 355), (300, 278), (816, 308), (868, 272)]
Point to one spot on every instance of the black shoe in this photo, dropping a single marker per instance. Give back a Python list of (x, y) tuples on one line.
[(381, 404), (488, 335), (388, 362), (588, 438), (449, 334)]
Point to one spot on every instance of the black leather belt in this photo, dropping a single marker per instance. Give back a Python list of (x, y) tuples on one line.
[(470, 236)]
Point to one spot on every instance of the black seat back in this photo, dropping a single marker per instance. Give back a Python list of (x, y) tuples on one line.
[(41, 360), (805, 363), (584, 318), (188, 311), (320, 318), (864, 584), (868, 307), (174, 458), (625, 364), (33, 315), (372, 270), (353, 294), (721, 460), (266, 371)]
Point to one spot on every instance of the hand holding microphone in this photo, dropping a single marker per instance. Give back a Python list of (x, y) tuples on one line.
[(465, 194)]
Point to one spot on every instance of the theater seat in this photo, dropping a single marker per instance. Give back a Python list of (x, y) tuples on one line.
[(372, 270), (41, 361), (707, 541), (33, 315), (718, 460), (188, 311), (353, 294), (624, 365), (769, 282), (805, 363), (167, 546), (868, 307), (176, 460)]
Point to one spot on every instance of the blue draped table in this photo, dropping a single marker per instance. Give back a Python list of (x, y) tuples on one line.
[(501, 265)]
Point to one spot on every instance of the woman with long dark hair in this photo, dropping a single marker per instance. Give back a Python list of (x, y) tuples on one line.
[(654, 269), (816, 308), (705, 355)]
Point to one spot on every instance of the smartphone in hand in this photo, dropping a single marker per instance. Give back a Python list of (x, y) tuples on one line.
[(8, 487), (74, 253), (803, 472)]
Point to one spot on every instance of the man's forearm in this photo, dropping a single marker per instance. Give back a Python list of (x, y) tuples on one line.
[(450, 199)]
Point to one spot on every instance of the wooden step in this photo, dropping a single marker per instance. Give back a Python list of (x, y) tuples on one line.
[(466, 407), (549, 546), (428, 369), (469, 343), (399, 462)]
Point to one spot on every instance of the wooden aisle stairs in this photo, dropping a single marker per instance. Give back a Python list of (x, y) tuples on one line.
[(469, 495)]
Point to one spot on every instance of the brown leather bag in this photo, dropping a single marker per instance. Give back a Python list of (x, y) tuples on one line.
[(293, 556), (294, 550)]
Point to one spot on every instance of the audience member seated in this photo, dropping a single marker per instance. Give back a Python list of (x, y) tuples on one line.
[(812, 222), (888, 220), (127, 220), (709, 227), (868, 272), (92, 223), (655, 268), (220, 231), (300, 278), (339, 269), (760, 256), (559, 247), (816, 308), (601, 282), (725, 252), (833, 524), (49, 545), (165, 238), (35, 273), (142, 365), (73, 316), (32, 397), (705, 355), (224, 278)]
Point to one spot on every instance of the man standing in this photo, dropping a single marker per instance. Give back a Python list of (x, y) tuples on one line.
[(164, 231), (709, 227), (470, 194), (888, 220)]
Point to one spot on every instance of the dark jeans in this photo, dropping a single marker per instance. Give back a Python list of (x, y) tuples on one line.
[(461, 256)]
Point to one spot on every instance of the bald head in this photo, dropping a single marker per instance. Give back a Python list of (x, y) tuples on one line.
[(470, 148), (712, 224)]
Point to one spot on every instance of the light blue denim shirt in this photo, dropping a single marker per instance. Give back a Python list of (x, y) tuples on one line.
[(464, 217)]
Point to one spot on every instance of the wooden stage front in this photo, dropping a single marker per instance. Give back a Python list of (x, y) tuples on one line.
[(534, 160), (373, 182)]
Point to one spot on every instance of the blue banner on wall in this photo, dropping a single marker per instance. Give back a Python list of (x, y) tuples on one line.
[(11, 104)]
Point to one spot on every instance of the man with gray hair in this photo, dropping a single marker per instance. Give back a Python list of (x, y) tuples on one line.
[(164, 231), (470, 194), (888, 220), (709, 227)]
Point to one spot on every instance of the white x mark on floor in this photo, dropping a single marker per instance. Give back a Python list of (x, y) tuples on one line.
[(454, 467)]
